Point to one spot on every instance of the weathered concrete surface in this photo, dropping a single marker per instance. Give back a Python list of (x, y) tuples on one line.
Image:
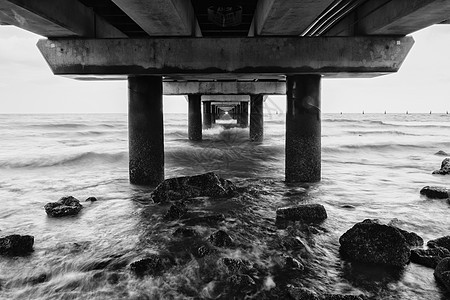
[(226, 98), (286, 17), (56, 18), (161, 17), (145, 130), (224, 88), (244, 115), (195, 118), (256, 118), (207, 117), (245, 56), (303, 129)]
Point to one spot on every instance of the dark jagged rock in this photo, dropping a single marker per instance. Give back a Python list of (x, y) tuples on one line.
[(66, 206), (202, 251), (292, 264), (293, 243), (440, 242), (221, 239), (299, 293), (151, 265), (307, 213), (441, 153), (113, 278), (185, 232), (204, 185), (445, 167), (242, 284), (429, 257), (371, 242), (413, 239), (343, 297), (442, 272), (90, 199), (16, 244), (176, 211), (41, 278), (235, 265), (208, 220), (435, 192)]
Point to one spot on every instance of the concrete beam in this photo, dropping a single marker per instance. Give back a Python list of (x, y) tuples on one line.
[(226, 98), (62, 18), (225, 88), (286, 17), (161, 17), (225, 103), (400, 17), (235, 56)]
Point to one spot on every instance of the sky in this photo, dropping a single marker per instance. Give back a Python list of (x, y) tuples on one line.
[(28, 86)]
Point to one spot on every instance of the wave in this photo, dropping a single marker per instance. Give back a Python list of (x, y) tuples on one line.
[(378, 132), (372, 147), (67, 160), (71, 126)]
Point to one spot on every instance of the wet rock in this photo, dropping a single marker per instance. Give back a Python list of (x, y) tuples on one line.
[(207, 220), (220, 239), (299, 293), (445, 167), (90, 199), (435, 192), (343, 297), (429, 257), (292, 264), (440, 242), (185, 232), (442, 272), (413, 239), (66, 206), (441, 153), (176, 211), (235, 265), (113, 278), (348, 206), (209, 185), (371, 242), (242, 284), (151, 265), (41, 278), (16, 244), (202, 251), (293, 243), (307, 213)]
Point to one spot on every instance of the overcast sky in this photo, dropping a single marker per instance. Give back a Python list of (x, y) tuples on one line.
[(28, 86)]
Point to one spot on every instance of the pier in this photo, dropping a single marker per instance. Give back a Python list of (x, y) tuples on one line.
[(226, 57)]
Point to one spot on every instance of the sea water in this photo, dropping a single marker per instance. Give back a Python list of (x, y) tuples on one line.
[(373, 166)]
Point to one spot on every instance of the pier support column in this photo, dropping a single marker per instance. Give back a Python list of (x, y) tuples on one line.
[(303, 128), (256, 118), (238, 115), (244, 114), (213, 114), (195, 118), (145, 129), (207, 119)]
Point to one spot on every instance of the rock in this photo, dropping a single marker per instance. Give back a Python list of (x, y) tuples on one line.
[(41, 278), (205, 185), (203, 251), (440, 242), (113, 278), (151, 265), (242, 284), (176, 211), (441, 153), (371, 242), (66, 206), (220, 239), (343, 297), (208, 220), (445, 167), (16, 244), (442, 272), (185, 232), (435, 192), (429, 257), (299, 293), (235, 265), (292, 264), (308, 213), (290, 243), (90, 199), (413, 239)]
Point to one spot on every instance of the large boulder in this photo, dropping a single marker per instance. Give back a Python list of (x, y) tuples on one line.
[(440, 242), (307, 213), (445, 167), (152, 265), (204, 185), (220, 239), (412, 239), (429, 257), (435, 192), (371, 242), (16, 244), (442, 272), (66, 206)]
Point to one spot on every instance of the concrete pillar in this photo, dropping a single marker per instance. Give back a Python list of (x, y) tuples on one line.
[(213, 114), (238, 114), (256, 118), (145, 129), (195, 118), (303, 128), (207, 119), (244, 114)]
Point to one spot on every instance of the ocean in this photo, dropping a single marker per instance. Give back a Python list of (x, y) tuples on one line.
[(373, 166)]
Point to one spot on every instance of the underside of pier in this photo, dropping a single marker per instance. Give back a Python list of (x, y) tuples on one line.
[(225, 56)]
